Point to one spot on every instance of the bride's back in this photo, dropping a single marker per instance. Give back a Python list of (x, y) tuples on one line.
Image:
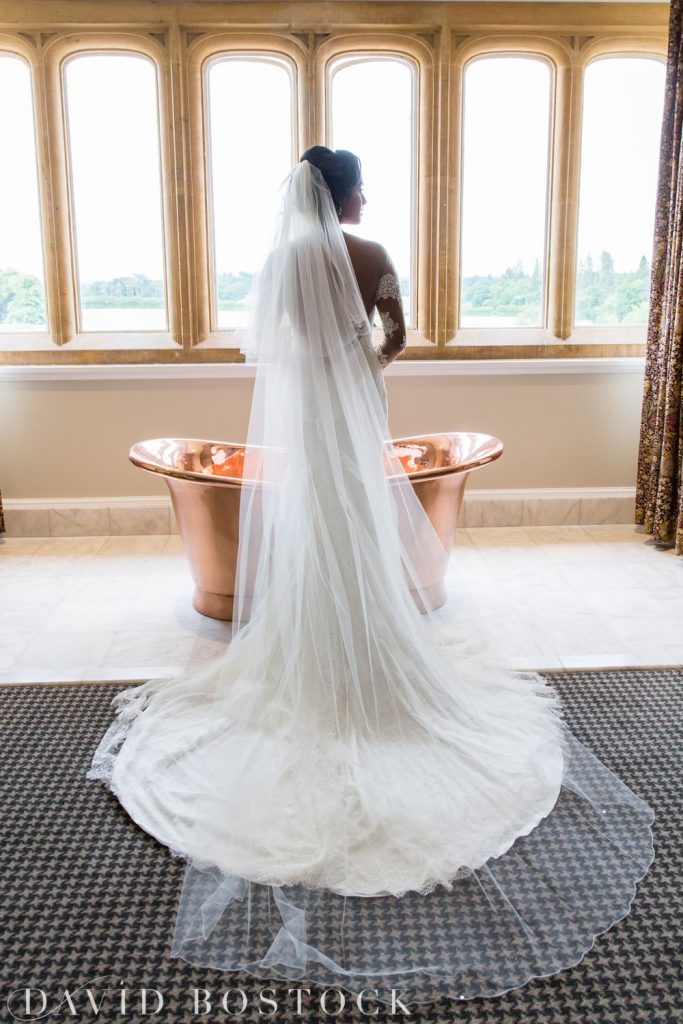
[(368, 261)]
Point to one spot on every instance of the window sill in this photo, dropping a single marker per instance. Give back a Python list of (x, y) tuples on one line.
[(100, 342), (399, 368)]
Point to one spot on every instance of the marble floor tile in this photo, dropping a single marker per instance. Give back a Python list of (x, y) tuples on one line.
[(40, 674), (215, 629), (636, 602), (12, 646), (529, 599), (127, 545), (462, 538), (133, 555), (206, 649), (590, 577), (637, 635), (149, 614), (26, 616), (513, 635), (76, 614), (109, 587), (616, 533), (537, 663), (63, 556), (657, 574), (653, 656), (18, 546), (498, 536), (544, 597), (87, 673), (174, 544), (557, 535), (33, 587), (66, 650), (16, 555), (592, 661), (576, 634), (168, 646)]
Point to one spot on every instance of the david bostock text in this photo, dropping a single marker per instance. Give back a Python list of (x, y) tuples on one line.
[(91, 1001)]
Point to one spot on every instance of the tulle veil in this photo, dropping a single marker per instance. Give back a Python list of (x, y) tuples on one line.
[(363, 797)]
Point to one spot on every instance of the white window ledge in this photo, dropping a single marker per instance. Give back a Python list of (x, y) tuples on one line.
[(399, 368)]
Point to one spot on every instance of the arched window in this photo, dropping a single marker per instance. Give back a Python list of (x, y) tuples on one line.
[(22, 294), (249, 101), (622, 118), (506, 126), (114, 158), (372, 105)]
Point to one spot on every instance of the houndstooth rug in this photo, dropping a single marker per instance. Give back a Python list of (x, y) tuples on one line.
[(89, 899)]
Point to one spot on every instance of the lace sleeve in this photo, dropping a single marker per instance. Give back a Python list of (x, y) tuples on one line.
[(390, 309), (388, 287)]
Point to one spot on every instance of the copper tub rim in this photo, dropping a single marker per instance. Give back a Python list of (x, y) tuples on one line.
[(229, 481)]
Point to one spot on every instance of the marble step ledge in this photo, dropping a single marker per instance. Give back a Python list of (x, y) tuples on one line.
[(108, 517)]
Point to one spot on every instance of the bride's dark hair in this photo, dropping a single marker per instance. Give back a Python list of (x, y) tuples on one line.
[(339, 167)]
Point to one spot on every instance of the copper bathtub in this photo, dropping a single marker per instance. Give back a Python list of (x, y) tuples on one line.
[(204, 479)]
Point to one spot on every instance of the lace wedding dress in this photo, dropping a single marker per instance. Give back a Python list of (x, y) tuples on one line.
[(363, 797)]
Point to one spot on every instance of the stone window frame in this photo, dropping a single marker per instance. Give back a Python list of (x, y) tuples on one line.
[(438, 42)]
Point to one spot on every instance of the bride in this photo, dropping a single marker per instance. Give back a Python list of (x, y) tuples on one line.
[(362, 797)]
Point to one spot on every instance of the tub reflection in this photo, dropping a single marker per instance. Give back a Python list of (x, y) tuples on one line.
[(205, 477)]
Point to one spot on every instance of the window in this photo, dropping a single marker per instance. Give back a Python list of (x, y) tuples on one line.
[(506, 115), (22, 293), (114, 156), (250, 143), (372, 105), (622, 116), (145, 162)]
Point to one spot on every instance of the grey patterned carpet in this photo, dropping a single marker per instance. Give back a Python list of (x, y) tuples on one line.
[(89, 900)]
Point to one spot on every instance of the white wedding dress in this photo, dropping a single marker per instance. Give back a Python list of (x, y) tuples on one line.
[(348, 745)]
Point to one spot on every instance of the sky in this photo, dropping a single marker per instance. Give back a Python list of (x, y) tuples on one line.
[(111, 103)]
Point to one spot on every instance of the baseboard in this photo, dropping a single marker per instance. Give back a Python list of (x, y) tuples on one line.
[(548, 506)]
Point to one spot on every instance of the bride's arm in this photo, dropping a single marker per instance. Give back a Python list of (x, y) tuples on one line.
[(390, 308)]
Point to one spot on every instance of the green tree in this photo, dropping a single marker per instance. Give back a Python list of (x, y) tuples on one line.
[(644, 267), (136, 290), (21, 298)]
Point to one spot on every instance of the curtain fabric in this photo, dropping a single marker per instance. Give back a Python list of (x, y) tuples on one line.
[(659, 495), (2, 517)]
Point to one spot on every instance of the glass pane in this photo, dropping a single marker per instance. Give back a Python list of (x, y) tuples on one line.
[(622, 120), (504, 192), (251, 152), (22, 296), (372, 115), (115, 171)]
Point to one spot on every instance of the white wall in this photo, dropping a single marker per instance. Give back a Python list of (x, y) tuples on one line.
[(70, 438)]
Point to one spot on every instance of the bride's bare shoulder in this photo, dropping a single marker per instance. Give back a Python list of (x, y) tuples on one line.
[(368, 253)]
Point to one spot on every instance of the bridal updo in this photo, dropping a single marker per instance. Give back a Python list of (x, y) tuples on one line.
[(339, 167)]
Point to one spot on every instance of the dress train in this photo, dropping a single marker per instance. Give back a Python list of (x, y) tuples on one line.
[(363, 797)]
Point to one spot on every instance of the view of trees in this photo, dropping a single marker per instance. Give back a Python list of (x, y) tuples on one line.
[(21, 298), (511, 294), (134, 292), (603, 295)]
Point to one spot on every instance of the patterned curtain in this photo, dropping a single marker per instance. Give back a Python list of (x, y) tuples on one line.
[(659, 494), (2, 518)]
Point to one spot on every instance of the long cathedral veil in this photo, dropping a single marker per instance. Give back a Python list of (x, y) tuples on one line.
[(317, 436), (363, 798)]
